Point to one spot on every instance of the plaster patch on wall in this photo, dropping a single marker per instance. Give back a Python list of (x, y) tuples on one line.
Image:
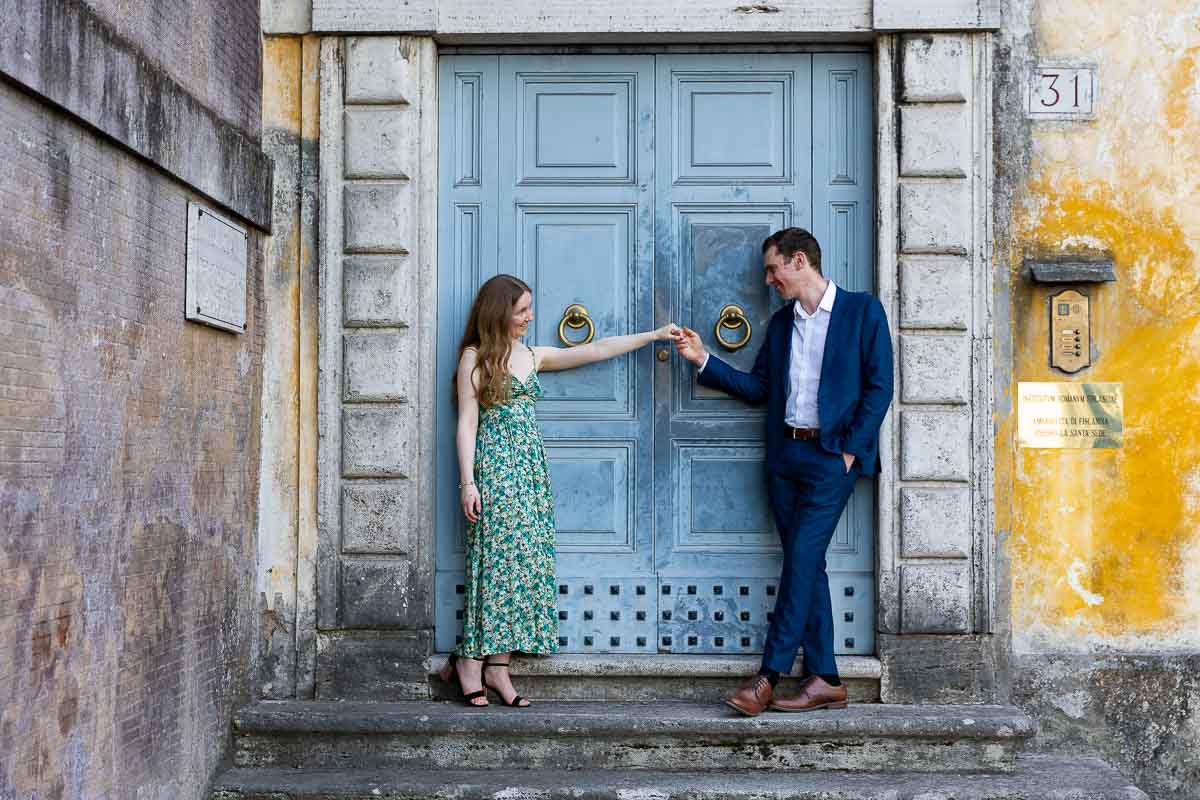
[(1191, 490), (1152, 249), (1084, 243), (1190, 577), (1074, 579), (1073, 704), (520, 793), (642, 794), (1193, 346)]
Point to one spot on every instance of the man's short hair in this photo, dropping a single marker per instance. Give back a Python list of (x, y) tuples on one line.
[(790, 241)]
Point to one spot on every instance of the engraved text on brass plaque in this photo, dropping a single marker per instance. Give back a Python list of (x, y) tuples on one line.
[(1070, 415)]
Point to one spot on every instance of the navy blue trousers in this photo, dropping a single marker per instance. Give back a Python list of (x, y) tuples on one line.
[(808, 488)]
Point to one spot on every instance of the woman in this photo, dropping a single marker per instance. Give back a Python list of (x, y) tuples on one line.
[(505, 489)]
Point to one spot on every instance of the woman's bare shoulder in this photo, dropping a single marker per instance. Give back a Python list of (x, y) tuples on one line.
[(539, 354)]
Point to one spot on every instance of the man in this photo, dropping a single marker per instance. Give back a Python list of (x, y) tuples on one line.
[(825, 373)]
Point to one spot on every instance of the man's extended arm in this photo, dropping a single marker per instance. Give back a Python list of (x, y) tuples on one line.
[(750, 387)]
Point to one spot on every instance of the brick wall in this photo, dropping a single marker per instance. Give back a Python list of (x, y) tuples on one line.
[(211, 47), (128, 457)]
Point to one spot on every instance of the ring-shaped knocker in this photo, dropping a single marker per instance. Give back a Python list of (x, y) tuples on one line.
[(733, 317), (575, 317)]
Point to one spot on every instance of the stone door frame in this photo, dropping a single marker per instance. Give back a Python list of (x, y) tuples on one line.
[(378, 272)]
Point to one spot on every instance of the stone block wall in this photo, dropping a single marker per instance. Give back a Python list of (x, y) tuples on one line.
[(128, 476), (210, 47), (179, 85), (1140, 712), (378, 278), (129, 438), (939, 252), (941, 498)]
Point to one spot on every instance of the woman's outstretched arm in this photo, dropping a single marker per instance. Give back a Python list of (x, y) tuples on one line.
[(555, 358), (468, 426)]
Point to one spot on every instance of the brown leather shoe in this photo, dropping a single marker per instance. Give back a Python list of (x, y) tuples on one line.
[(752, 697), (814, 694)]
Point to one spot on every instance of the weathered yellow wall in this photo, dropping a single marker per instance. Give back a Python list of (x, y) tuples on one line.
[(278, 502), (287, 506), (1105, 544)]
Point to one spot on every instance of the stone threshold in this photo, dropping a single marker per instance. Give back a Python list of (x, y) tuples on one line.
[(562, 719), (608, 665)]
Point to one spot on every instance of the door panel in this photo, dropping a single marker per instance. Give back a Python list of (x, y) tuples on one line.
[(467, 254), (574, 127), (721, 500), (564, 199), (843, 222), (594, 485), (720, 263), (795, 149), (581, 255), (550, 171), (710, 446), (731, 118), (843, 168), (576, 225)]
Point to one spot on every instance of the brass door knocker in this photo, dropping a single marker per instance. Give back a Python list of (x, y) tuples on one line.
[(575, 317), (733, 317)]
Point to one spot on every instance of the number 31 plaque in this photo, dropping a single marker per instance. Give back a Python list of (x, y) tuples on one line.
[(1066, 92)]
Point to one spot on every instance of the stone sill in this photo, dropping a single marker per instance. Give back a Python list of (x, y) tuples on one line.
[(660, 666)]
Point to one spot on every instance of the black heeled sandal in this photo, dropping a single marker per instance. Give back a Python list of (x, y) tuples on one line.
[(448, 672), (518, 701)]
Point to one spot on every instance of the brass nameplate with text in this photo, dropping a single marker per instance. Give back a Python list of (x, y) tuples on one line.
[(1081, 416)]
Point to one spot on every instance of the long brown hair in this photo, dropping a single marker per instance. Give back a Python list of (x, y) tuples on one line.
[(487, 330)]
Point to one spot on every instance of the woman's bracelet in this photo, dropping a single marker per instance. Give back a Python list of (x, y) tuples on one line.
[(465, 484)]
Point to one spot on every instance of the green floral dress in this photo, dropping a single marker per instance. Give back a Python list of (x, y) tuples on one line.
[(510, 601)]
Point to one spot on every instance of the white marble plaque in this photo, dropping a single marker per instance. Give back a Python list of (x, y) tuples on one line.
[(217, 251), (1062, 92)]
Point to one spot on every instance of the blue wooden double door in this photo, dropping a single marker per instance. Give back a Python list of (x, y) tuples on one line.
[(629, 191)]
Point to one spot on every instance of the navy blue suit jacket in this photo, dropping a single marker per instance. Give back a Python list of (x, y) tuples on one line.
[(856, 378)]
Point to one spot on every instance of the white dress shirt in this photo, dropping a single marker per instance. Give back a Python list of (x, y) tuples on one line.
[(808, 354)]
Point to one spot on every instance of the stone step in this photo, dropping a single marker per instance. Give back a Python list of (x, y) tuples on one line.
[(625, 735), (1035, 777), (697, 678)]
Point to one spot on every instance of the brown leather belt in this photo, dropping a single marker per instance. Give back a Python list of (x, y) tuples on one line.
[(803, 434)]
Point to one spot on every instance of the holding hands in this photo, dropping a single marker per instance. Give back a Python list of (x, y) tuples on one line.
[(668, 332), (688, 345)]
